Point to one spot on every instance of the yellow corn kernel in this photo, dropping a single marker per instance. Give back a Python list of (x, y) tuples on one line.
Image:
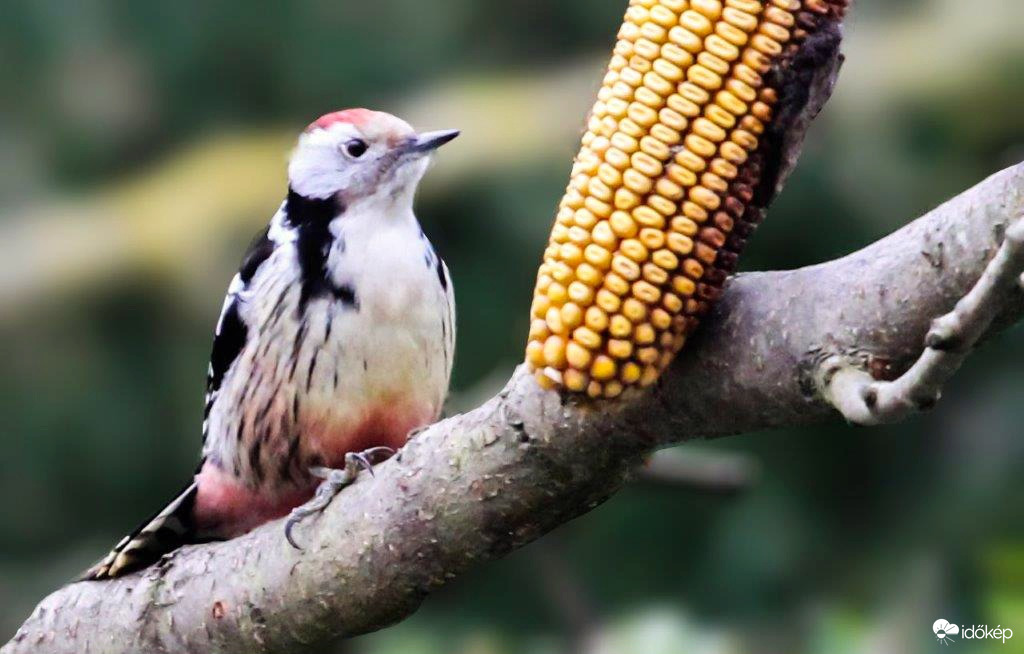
[(650, 98), (766, 45), (672, 303), (648, 217), (574, 380), (647, 165), (731, 33), (747, 75), (553, 319), (713, 182), (646, 292), (596, 319), (644, 334), (631, 373), (758, 61), (710, 8), (626, 199), (613, 389), (554, 351), (676, 55), (719, 116), (541, 304), (586, 337), (655, 34), (538, 330), (683, 286), (658, 149), (694, 212), (663, 16), (578, 356), (774, 32), (651, 238), (680, 244), (696, 22), (614, 282), (603, 368), (638, 183), (724, 169), (535, 354), (597, 256), (603, 236), (655, 275), (634, 310), (668, 71), (571, 315), (708, 130), (744, 139), (704, 77), (741, 19), (683, 105), (681, 175), (665, 258), (587, 274), (620, 348), (733, 153), (580, 293), (619, 326), (634, 249), (623, 224), (748, 6), (648, 355), (672, 119), (668, 189), (642, 115), (661, 319), (713, 62), (606, 301)]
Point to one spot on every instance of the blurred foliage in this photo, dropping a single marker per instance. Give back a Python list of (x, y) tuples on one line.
[(144, 143)]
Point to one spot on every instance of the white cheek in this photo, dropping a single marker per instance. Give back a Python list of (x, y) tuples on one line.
[(318, 172)]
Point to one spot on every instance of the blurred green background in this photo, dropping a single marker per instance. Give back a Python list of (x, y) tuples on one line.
[(144, 143)]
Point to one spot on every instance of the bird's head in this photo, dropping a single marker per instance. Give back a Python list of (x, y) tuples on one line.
[(358, 154)]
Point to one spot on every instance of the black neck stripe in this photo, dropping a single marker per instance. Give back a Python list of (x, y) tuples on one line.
[(312, 218)]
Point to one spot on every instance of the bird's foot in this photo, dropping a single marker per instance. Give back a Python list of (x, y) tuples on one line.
[(333, 481)]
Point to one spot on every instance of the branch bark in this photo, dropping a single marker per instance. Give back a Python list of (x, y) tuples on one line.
[(478, 485)]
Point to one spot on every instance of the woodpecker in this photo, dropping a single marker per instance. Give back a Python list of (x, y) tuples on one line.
[(334, 343)]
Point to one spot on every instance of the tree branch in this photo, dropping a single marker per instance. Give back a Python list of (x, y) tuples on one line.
[(473, 487)]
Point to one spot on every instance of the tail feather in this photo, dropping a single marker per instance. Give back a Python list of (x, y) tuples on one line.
[(164, 532)]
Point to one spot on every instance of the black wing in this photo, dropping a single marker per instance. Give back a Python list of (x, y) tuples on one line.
[(232, 333)]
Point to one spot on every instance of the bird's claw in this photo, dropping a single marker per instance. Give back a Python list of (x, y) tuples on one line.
[(333, 481)]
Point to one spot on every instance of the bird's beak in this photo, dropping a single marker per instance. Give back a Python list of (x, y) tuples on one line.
[(429, 141)]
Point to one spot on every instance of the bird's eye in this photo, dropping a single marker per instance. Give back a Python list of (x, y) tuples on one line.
[(356, 148)]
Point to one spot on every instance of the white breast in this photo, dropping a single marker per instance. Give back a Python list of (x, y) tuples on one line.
[(398, 334)]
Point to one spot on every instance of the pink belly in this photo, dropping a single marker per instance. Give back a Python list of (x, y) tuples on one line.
[(388, 426), (226, 507)]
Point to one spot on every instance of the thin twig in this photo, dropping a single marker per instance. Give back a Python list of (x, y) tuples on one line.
[(864, 401), (700, 470), (567, 596)]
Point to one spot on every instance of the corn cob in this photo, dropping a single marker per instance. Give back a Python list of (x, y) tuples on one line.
[(680, 158)]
